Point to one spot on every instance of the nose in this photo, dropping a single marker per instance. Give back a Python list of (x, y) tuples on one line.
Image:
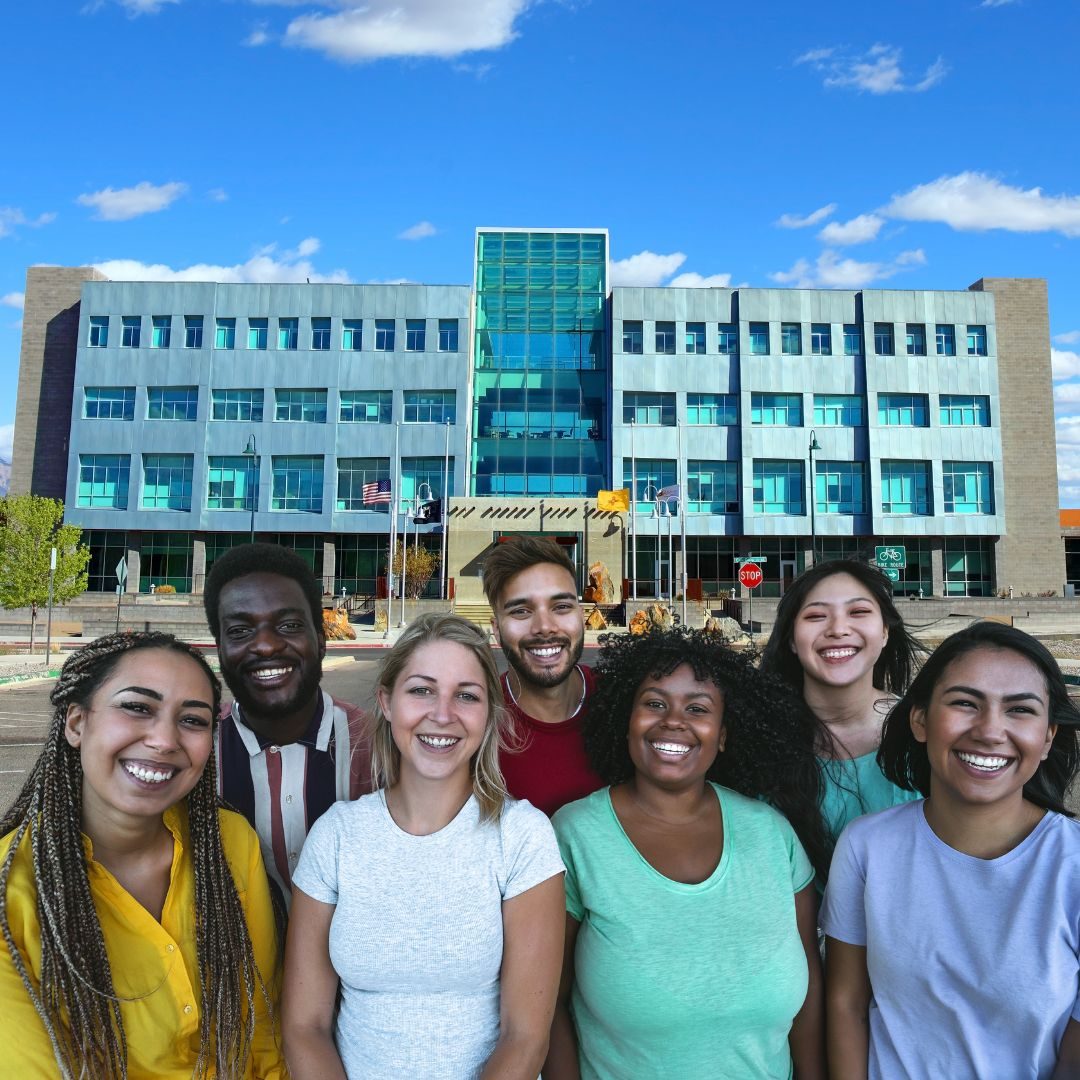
[(543, 621), (265, 641), (164, 736), (990, 725), (441, 708)]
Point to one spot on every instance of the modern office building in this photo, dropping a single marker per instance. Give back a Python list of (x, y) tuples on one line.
[(177, 418)]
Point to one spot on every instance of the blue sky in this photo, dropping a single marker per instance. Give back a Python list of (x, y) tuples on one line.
[(896, 144)]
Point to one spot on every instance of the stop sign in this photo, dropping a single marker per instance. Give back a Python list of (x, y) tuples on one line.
[(750, 575)]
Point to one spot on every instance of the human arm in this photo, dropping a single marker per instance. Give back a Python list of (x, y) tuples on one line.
[(807, 1038), (847, 1010), (1068, 1062), (562, 1057), (528, 980), (310, 992), (27, 1050)]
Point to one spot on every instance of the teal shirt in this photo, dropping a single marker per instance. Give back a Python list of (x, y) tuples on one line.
[(851, 787), (684, 980)]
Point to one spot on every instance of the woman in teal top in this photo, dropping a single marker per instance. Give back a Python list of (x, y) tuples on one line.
[(840, 642), (691, 948)]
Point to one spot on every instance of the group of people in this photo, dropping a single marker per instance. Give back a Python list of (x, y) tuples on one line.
[(845, 859)]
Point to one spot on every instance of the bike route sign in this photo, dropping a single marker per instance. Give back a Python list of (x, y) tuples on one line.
[(891, 557)]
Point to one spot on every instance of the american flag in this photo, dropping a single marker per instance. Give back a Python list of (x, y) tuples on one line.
[(377, 492)]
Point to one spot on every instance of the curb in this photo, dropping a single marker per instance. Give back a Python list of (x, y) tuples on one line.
[(15, 680)]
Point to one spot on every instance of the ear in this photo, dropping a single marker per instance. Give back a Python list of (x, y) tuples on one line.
[(383, 698), (495, 630), (918, 724), (73, 725), (1051, 732), (722, 741)]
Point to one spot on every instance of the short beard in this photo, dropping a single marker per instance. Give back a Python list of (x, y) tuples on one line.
[(252, 707), (544, 678)]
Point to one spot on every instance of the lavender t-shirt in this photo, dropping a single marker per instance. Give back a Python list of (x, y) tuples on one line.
[(974, 963)]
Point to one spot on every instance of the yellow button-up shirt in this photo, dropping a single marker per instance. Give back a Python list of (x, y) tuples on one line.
[(154, 964)]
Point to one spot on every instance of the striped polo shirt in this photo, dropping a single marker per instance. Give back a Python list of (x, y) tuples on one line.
[(284, 789)]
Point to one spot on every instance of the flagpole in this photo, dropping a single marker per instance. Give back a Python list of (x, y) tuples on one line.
[(633, 513), (392, 538), (680, 477), (404, 524), (446, 513)]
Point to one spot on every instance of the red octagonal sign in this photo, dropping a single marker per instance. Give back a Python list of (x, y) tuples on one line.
[(750, 575)]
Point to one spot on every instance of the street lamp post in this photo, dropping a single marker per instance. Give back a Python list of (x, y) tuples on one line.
[(652, 494), (812, 449), (252, 476)]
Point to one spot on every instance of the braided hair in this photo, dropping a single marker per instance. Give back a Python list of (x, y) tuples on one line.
[(76, 999), (769, 753)]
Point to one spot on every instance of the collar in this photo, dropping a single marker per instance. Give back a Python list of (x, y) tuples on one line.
[(315, 737)]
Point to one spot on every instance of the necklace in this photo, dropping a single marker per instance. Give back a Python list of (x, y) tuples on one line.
[(513, 696)]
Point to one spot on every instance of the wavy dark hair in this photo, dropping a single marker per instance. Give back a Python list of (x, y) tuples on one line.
[(769, 752), (903, 759)]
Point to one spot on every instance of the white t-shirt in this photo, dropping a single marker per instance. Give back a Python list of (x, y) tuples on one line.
[(417, 934), (974, 963)]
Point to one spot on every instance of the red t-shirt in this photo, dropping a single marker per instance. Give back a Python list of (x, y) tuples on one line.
[(550, 768)]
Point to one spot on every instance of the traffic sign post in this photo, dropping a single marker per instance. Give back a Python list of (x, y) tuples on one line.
[(891, 573), (750, 577), (121, 572)]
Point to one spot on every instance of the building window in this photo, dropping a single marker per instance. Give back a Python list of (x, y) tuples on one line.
[(778, 486), (905, 487), (161, 332), (258, 330), (384, 335), (712, 487), (297, 484), (852, 339), (167, 481), (99, 331), (695, 337), (840, 487), (915, 339), (968, 487), (239, 404), (712, 410), (193, 325), (665, 337), (131, 332), (838, 410), (964, 410), (633, 337), (883, 339), (415, 335), (225, 334), (103, 480), (976, 341), (416, 472), (903, 410), (728, 339), (821, 339), (172, 403), (320, 334), (945, 336), (430, 407), (365, 406), (790, 339), (232, 483), (352, 475), (646, 407), (109, 403), (300, 406), (759, 338), (448, 335), (288, 334), (776, 410), (969, 566), (352, 335), (652, 475)]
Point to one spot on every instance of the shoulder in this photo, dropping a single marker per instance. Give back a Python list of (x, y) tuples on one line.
[(22, 864), (589, 675), (581, 815), (520, 818), (744, 810), (355, 715), (236, 833), (879, 829)]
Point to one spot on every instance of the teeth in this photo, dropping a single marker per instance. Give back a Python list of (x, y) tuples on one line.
[(149, 776), (544, 653), (270, 673), (837, 654), (979, 761), (439, 742), (671, 748)]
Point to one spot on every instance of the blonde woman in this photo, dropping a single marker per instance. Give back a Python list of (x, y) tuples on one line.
[(433, 905)]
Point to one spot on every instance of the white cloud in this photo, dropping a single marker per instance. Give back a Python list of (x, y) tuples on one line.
[(123, 204), (692, 280), (830, 271), (218, 195), (1071, 337), (355, 32), (257, 37), (11, 218), (14, 299), (1067, 394), (997, 3), (266, 265), (418, 231), (794, 221), (856, 231), (7, 437), (877, 71), (1065, 364), (1068, 455), (144, 7), (646, 268), (973, 202)]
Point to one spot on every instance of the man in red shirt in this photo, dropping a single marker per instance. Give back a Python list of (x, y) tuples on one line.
[(531, 586)]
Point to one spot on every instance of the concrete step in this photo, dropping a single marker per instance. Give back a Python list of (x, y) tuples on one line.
[(481, 614)]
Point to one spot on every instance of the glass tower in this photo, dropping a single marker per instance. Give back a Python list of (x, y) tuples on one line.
[(540, 383)]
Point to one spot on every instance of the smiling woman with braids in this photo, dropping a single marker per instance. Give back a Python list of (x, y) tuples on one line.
[(136, 917), (690, 933)]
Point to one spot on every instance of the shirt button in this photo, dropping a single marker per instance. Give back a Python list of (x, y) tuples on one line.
[(293, 856), (170, 948), (288, 798), (275, 749), (187, 1010)]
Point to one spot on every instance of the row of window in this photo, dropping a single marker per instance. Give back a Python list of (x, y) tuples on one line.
[(657, 408), (232, 483), (820, 338), (288, 333), (840, 487), (298, 405)]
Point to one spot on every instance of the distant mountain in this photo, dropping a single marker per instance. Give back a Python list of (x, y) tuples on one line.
[(5, 475)]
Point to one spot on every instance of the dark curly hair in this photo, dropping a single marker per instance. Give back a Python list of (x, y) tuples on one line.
[(769, 752), (903, 759)]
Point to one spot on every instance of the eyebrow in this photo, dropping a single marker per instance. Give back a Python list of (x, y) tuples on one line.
[(280, 613), (837, 603), (192, 703), (529, 599), (432, 679), (667, 693), (975, 692)]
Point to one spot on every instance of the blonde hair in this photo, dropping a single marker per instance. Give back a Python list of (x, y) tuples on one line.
[(488, 784)]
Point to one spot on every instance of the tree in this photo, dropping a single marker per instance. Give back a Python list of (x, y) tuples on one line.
[(420, 566), (30, 527)]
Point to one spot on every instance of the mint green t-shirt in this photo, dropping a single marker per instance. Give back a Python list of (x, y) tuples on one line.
[(851, 787), (676, 980)]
